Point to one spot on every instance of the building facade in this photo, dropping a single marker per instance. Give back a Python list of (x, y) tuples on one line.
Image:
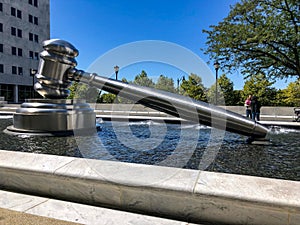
[(24, 25)]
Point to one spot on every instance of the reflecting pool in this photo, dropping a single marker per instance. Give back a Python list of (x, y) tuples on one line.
[(174, 145)]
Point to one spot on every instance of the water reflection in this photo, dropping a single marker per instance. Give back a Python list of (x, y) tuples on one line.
[(280, 159)]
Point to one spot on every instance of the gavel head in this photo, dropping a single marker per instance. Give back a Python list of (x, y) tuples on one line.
[(56, 60)]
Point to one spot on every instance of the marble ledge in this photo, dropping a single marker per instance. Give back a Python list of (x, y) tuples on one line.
[(176, 179), (175, 193)]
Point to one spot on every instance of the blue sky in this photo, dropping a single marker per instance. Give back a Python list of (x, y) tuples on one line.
[(98, 28)]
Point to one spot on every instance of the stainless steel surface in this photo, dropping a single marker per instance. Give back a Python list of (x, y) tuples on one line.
[(57, 58), (57, 70), (180, 106), (53, 116)]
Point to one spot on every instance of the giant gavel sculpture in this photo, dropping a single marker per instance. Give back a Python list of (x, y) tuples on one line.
[(56, 72)]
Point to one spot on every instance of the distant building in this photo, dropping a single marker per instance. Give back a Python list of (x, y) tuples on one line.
[(24, 25)]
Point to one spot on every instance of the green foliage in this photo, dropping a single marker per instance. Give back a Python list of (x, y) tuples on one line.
[(107, 98), (237, 96), (143, 80), (83, 91), (124, 80), (226, 86), (258, 36), (225, 92), (279, 98), (165, 83), (259, 86), (72, 90), (193, 88), (291, 95)]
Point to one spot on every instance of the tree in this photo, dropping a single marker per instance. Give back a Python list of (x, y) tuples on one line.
[(83, 91), (124, 80), (238, 97), (260, 86), (193, 88), (291, 95), (108, 98), (143, 80), (258, 36), (165, 83), (72, 90), (225, 91)]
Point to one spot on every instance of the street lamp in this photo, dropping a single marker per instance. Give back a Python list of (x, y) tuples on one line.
[(32, 73), (116, 71), (217, 66), (178, 81)]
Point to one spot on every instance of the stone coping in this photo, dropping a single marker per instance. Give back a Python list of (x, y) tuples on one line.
[(180, 194)]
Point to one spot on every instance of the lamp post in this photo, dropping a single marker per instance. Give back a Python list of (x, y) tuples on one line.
[(217, 66), (32, 73), (116, 68), (116, 71), (178, 81)]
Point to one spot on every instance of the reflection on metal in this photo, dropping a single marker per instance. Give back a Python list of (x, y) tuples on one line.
[(57, 70), (52, 117)]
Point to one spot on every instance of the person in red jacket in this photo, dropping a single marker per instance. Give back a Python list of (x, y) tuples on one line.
[(248, 107)]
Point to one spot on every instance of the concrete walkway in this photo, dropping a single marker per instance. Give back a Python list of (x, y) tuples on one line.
[(16, 208), (10, 217)]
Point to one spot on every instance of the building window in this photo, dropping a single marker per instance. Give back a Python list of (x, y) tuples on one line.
[(19, 14), (33, 19), (16, 12), (13, 50), (1, 6), (13, 11), (20, 70), (1, 68), (36, 55), (14, 70), (33, 2), (30, 18), (1, 27), (19, 33), (31, 54), (16, 32), (36, 38), (1, 47), (13, 31), (30, 36), (20, 52)]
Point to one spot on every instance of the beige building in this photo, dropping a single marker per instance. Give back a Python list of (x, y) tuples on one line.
[(24, 25)]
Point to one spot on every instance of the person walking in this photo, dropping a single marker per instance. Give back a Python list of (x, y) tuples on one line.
[(255, 108), (248, 107)]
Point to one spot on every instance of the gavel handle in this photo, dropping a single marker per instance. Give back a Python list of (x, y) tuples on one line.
[(177, 105)]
